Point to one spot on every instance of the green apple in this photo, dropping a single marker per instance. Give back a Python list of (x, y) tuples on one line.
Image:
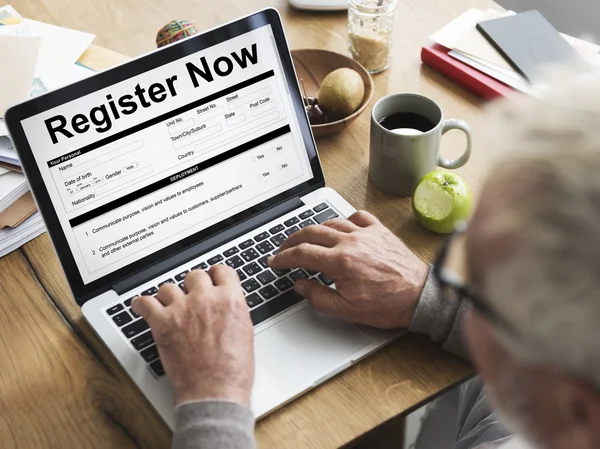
[(442, 200)]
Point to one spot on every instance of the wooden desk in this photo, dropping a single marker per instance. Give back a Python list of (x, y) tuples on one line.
[(59, 386)]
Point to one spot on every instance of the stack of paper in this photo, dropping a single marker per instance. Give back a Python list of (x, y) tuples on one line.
[(467, 45), (11, 239), (36, 57), (12, 187)]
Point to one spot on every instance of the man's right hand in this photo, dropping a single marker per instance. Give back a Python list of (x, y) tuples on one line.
[(378, 279)]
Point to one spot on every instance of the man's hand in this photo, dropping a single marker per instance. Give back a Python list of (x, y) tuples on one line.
[(378, 279), (205, 337)]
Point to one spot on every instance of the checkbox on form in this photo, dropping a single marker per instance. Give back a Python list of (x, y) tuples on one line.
[(258, 176), (253, 159)]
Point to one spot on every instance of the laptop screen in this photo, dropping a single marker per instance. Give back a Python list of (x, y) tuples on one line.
[(144, 163)]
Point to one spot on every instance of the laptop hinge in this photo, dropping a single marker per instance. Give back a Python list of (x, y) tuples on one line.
[(207, 245)]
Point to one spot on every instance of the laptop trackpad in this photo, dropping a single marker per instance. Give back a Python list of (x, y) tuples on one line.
[(301, 349)]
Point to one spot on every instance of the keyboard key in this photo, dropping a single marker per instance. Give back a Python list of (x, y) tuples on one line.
[(253, 300), (250, 285), (167, 281), (307, 213), (200, 266), (325, 215), (182, 287), (133, 314), (241, 275), (150, 353), (128, 302), (122, 319), (215, 259), (265, 247), (181, 276), (277, 229), (325, 280), (280, 273), (137, 327), (291, 221), (235, 262), (114, 309), (266, 277), (150, 292), (320, 207), (306, 223), (263, 261), (141, 341), (231, 251), (290, 231), (260, 237), (278, 239), (247, 244), (284, 283), (298, 274), (268, 292), (252, 268), (272, 308), (312, 273), (249, 255), (157, 368)]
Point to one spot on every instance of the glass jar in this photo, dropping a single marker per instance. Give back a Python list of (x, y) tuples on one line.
[(370, 27)]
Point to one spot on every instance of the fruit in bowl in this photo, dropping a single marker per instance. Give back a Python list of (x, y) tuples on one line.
[(341, 93), (338, 85)]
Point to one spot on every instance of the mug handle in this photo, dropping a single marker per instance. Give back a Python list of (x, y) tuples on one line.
[(462, 160)]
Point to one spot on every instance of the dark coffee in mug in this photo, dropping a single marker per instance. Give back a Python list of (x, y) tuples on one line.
[(406, 132), (407, 121)]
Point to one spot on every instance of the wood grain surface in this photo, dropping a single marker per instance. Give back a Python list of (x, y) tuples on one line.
[(59, 386)]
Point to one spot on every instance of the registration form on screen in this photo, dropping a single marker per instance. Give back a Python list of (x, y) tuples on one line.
[(137, 166)]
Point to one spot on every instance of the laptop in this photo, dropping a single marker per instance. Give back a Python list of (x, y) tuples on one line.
[(193, 155)]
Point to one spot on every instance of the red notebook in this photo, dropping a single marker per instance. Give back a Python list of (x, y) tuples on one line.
[(482, 85)]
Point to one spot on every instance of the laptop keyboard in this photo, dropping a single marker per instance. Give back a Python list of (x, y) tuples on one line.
[(268, 292)]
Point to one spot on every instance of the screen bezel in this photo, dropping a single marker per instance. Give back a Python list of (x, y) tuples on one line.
[(171, 53)]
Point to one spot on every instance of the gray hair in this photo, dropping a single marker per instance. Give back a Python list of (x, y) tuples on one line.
[(549, 285)]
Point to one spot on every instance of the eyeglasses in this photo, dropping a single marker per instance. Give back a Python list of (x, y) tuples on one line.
[(451, 272)]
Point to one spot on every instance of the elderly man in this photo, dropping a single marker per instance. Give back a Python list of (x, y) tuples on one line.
[(522, 282)]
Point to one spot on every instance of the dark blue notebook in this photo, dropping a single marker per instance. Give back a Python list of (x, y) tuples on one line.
[(531, 45)]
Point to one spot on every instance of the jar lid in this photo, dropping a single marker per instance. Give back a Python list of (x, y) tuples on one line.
[(374, 7)]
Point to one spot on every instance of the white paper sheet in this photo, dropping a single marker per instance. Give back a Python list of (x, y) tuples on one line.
[(73, 74), (18, 56), (61, 47), (8, 153), (508, 79), (15, 30)]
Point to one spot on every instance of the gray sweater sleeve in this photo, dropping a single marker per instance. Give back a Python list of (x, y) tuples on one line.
[(213, 425), (442, 319)]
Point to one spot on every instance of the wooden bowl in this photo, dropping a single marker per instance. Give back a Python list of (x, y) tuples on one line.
[(313, 65)]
